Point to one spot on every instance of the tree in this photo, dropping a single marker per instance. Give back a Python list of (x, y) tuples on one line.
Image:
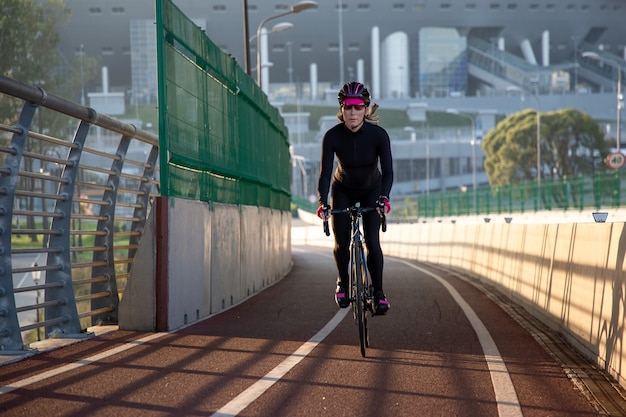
[(571, 144), (28, 38), (29, 53)]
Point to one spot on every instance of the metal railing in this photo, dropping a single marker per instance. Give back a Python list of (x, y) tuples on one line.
[(72, 212), (602, 190)]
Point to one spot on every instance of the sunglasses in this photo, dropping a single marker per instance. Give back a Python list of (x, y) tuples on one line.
[(357, 107)]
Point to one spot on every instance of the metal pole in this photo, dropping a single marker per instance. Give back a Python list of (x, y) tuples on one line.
[(82, 75), (538, 150), (341, 64), (575, 39), (427, 166), (246, 38), (619, 107)]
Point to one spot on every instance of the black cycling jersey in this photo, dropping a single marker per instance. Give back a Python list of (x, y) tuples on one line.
[(358, 156)]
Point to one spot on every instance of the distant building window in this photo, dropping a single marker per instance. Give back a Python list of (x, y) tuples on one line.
[(106, 50), (470, 6), (444, 6), (333, 47), (494, 6), (353, 47), (570, 7), (550, 6), (95, 10), (306, 47), (533, 6), (511, 6), (219, 8), (281, 7), (397, 7), (584, 7), (126, 50), (118, 10), (419, 6), (363, 7), (252, 8), (343, 7)]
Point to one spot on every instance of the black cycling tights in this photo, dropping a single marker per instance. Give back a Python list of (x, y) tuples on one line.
[(371, 226)]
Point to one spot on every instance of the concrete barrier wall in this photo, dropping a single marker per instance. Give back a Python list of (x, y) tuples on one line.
[(571, 276), (213, 257)]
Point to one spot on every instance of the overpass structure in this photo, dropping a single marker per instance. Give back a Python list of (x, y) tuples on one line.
[(569, 275), (106, 247)]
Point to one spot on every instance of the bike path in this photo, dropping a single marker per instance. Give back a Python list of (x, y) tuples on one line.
[(425, 359)]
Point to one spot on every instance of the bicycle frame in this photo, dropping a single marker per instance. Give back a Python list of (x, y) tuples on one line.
[(360, 290)]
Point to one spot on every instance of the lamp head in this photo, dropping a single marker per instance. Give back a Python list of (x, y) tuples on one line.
[(303, 5), (279, 27), (590, 54)]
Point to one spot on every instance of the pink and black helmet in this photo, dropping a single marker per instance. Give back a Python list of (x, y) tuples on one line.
[(354, 90)]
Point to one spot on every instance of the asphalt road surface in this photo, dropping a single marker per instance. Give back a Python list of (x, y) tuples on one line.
[(446, 348)]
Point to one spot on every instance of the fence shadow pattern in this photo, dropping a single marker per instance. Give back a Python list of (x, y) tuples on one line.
[(571, 276)]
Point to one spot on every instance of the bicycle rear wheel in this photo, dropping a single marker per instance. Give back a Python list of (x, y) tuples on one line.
[(359, 299)]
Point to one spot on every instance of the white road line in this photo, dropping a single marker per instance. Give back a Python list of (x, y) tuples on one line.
[(239, 403), (88, 361), (506, 396)]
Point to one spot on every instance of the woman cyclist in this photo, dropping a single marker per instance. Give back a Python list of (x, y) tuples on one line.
[(364, 174)]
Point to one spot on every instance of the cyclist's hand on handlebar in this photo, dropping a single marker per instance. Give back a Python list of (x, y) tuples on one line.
[(323, 211), (383, 205)]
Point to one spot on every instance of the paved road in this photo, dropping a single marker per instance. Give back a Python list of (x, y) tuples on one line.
[(24, 280), (444, 349)]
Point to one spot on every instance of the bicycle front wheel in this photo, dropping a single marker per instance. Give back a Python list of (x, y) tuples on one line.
[(359, 299), (366, 297)]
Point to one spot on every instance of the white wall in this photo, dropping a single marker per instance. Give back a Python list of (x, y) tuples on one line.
[(211, 257), (571, 276)]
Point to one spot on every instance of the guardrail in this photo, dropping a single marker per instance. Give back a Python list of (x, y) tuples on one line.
[(72, 212)]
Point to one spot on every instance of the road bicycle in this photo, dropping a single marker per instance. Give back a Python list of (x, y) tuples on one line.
[(360, 290)]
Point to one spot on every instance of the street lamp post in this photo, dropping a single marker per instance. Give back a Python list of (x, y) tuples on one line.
[(296, 8), (473, 143), (82, 74), (614, 64), (278, 27), (538, 149)]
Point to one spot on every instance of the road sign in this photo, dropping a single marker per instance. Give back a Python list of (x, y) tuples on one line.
[(615, 160)]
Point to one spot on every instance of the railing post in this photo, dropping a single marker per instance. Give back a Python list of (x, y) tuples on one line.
[(10, 335), (70, 324), (143, 201), (107, 257)]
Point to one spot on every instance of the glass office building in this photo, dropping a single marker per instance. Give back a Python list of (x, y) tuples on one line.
[(442, 62)]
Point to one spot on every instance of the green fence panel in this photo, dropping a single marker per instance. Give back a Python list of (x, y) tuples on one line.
[(600, 190), (221, 140)]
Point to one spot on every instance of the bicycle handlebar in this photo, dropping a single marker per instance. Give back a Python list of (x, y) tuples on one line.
[(357, 210)]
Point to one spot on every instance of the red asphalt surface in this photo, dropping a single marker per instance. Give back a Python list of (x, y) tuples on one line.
[(425, 359)]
